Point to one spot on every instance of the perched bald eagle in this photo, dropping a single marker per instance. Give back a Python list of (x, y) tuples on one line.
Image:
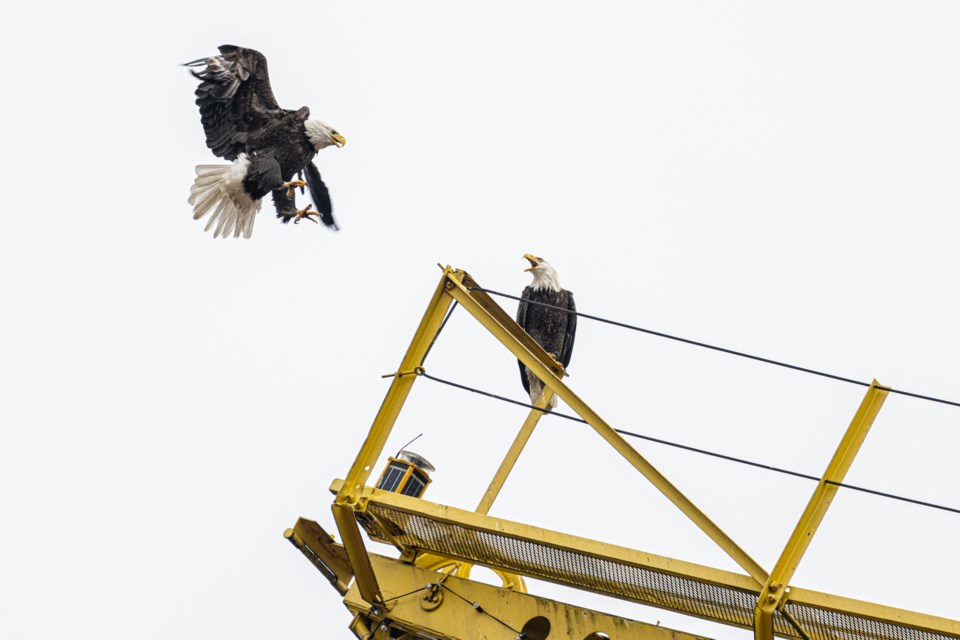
[(268, 146), (553, 329)]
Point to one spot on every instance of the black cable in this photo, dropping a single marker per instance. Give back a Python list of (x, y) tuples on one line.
[(733, 352), (376, 609), (695, 343), (705, 452), (622, 432), (922, 397), (439, 331), (495, 396), (892, 496), (722, 456), (404, 595), (477, 607)]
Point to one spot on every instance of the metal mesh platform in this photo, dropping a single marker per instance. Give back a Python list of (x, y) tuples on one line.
[(825, 623), (708, 593)]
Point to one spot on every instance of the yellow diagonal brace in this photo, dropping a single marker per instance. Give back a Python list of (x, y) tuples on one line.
[(526, 430), (503, 322), (509, 333), (399, 390), (462, 569), (772, 595)]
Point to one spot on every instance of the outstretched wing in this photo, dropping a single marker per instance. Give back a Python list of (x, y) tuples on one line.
[(320, 196), (234, 97), (522, 321)]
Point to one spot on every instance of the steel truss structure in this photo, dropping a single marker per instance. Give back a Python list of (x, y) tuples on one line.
[(427, 593)]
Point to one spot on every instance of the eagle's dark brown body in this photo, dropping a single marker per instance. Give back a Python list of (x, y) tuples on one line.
[(553, 328), (278, 152)]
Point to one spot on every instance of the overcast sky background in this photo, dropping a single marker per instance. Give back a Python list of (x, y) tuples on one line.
[(778, 179)]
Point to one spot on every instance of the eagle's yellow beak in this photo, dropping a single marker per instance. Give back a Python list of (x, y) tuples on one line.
[(533, 261), (338, 140)]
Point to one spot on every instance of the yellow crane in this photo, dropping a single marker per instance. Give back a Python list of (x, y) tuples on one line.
[(427, 592)]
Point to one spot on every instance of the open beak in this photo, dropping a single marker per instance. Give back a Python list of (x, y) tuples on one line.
[(339, 140), (532, 260)]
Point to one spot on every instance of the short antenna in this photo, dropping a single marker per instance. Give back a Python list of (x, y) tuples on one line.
[(407, 445)]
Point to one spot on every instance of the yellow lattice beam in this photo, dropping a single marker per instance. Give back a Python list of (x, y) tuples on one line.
[(418, 526)]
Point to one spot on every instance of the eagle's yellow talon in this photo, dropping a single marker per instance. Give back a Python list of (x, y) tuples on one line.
[(306, 213), (290, 186)]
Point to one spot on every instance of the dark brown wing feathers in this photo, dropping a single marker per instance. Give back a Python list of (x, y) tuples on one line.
[(522, 321), (553, 329), (235, 98)]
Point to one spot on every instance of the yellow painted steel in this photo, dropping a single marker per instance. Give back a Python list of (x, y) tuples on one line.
[(460, 286), (460, 569), (359, 627), (454, 608), (870, 611), (372, 497), (725, 597), (379, 432), (365, 578), (465, 287), (318, 547), (774, 591), (444, 542), (463, 569), (513, 454), (399, 389), (506, 330)]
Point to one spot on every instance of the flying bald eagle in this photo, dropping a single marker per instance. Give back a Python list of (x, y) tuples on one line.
[(268, 146), (553, 329)]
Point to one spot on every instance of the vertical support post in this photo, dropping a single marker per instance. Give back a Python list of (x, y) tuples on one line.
[(772, 596), (357, 554), (513, 454)]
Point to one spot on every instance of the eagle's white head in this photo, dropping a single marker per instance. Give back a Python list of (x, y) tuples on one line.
[(322, 135), (544, 275)]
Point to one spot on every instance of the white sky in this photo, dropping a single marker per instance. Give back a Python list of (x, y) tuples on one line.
[(779, 179)]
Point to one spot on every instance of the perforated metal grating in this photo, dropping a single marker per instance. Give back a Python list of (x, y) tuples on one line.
[(825, 623), (719, 603)]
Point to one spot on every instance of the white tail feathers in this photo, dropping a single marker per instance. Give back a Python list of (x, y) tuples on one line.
[(219, 187), (536, 390)]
